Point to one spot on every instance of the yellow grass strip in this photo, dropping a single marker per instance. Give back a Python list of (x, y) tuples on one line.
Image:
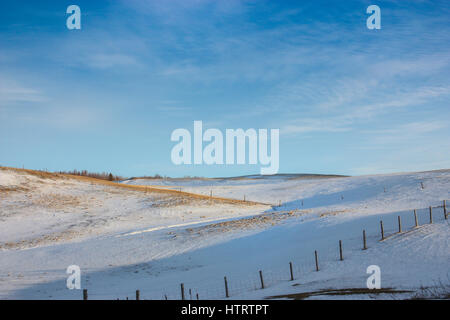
[(51, 175)]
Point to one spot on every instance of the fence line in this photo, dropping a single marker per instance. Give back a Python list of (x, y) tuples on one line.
[(294, 270)]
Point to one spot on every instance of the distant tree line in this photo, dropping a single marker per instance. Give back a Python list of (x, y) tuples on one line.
[(104, 175), (156, 176)]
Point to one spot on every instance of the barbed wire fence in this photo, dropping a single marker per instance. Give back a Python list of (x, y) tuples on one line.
[(218, 287), (227, 286)]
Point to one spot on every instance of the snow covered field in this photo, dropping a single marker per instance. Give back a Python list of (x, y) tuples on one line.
[(125, 239)]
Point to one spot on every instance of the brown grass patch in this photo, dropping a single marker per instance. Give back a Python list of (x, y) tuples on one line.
[(36, 173), (338, 292), (266, 219), (57, 201), (42, 240), (12, 189), (332, 213)]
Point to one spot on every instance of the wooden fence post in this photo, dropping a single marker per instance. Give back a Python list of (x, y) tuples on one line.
[(137, 294), (340, 250), (431, 215), (364, 240), (292, 272), (317, 260), (182, 291), (262, 280), (382, 230), (85, 294), (399, 224), (415, 218), (226, 287), (445, 211)]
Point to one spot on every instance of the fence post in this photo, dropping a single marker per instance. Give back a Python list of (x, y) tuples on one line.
[(292, 272), (197, 295), (85, 294), (317, 260), (244, 197), (137, 295), (190, 294), (364, 240), (226, 287), (415, 218), (399, 224), (340, 250), (431, 215), (182, 291), (262, 280), (382, 230), (445, 211)]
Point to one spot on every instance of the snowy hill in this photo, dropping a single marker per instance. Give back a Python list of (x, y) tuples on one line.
[(127, 239)]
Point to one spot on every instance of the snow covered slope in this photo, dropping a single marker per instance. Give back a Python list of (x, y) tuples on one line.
[(125, 240), (39, 208)]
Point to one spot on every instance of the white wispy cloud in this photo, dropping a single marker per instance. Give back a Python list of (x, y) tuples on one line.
[(13, 92), (106, 61), (302, 126)]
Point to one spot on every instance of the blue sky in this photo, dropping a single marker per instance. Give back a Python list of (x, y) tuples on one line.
[(347, 100)]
